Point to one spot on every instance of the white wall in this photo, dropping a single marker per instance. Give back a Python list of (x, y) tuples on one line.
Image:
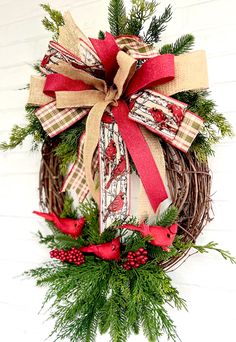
[(207, 282)]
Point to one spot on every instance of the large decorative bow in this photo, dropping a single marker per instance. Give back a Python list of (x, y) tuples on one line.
[(98, 75)]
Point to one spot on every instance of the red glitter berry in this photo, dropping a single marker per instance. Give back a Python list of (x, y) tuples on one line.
[(73, 255), (135, 259)]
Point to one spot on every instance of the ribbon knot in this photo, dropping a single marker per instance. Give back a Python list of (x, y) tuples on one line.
[(112, 95)]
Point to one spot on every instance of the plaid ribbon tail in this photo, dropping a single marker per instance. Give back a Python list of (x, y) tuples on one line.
[(166, 117), (76, 180)]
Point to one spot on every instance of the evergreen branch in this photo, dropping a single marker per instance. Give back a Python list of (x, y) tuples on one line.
[(168, 217), (56, 21), (19, 134), (117, 17), (67, 149), (182, 45), (101, 35), (157, 26), (213, 246), (140, 12), (215, 126)]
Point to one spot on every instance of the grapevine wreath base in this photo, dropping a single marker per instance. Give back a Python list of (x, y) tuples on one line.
[(115, 279)]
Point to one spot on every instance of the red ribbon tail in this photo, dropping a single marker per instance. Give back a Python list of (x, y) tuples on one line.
[(141, 155)]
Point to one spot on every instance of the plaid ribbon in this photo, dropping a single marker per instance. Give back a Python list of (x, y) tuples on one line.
[(136, 48), (76, 180), (55, 121), (167, 117)]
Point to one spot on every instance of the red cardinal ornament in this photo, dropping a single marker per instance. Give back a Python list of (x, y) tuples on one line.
[(105, 251), (65, 225), (161, 236), (115, 205), (117, 171)]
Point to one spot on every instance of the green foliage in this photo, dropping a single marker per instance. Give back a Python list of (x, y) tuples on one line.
[(102, 295), (67, 149), (157, 26), (214, 246), (19, 134), (141, 11), (215, 127), (168, 217), (101, 35), (68, 208), (182, 45), (54, 22), (117, 17)]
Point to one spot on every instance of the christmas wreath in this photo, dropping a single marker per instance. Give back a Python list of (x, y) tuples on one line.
[(103, 109)]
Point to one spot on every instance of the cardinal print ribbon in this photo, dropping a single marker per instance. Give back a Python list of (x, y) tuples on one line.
[(97, 77)]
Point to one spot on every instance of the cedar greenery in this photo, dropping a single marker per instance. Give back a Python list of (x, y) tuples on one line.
[(54, 21), (102, 296)]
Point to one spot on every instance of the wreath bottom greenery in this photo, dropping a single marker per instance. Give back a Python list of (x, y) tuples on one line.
[(104, 296)]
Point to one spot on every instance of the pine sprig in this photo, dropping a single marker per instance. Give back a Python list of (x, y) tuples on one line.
[(168, 217), (54, 22), (19, 134), (182, 45), (157, 26), (116, 17)]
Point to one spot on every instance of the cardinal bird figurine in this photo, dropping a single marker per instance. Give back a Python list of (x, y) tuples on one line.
[(177, 112), (161, 236), (65, 225), (105, 251), (110, 154), (115, 205), (117, 171)]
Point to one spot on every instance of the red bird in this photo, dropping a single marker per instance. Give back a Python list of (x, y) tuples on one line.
[(177, 112), (115, 205), (117, 171), (110, 154), (157, 115), (105, 251), (65, 225), (161, 236)]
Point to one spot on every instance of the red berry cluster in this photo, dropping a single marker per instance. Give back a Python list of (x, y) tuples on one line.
[(73, 255), (135, 259)]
